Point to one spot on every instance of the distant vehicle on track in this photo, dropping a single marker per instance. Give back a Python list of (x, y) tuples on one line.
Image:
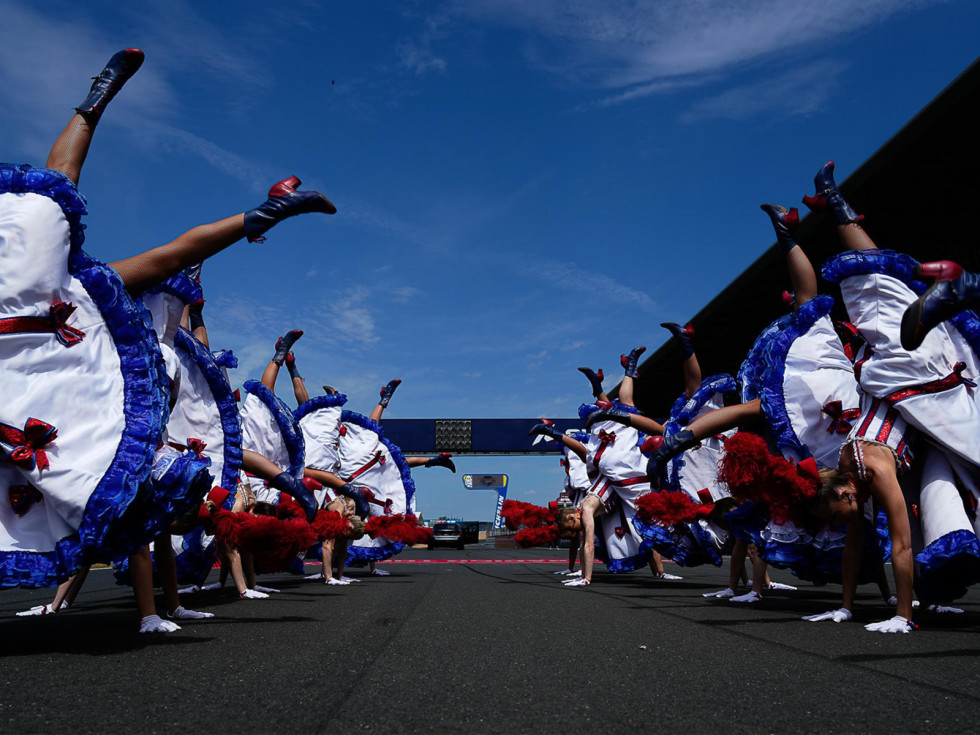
[(447, 533)]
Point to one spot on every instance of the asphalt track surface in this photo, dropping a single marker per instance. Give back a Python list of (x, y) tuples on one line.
[(486, 647)]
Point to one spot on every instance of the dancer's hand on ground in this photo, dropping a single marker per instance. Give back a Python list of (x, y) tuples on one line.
[(182, 613), (721, 594), (839, 615), (156, 624), (897, 624)]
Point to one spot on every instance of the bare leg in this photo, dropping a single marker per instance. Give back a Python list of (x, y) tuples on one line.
[(626, 391), (726, 418), (299, 391), (71, 148), (736, 570), (657, 564), (141, 571), (802, 275), (760, 573), (692, 375), (258, 465), (340, 556), (146, 270), (163, 550), (299, 387), (270, 375), (853, 236)]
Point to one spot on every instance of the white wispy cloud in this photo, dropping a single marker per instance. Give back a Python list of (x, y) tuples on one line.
[(645, 47), (592, 288), (798, 92)]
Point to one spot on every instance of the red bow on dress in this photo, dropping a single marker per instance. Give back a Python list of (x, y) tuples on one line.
[(28, 444), (839, 418)]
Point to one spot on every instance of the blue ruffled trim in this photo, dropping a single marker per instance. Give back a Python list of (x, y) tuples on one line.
[(686, 409), (947, 566), (659, 538), (195, 562), (224, 398), (182, 286), (627, 563), (747, 520), (108, 527), (748, 371), (315, 404), (865, 262), (587, 409), (968, 325), (705, 545), (361, 555), (684, 412), (364, 422), (292, 435), (580, 436), (225, 359), (772, 367), (32, 569)]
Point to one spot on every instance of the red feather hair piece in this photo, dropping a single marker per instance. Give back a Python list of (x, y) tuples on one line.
[(670, 508), (542, 536), (398, 527), (517, 513), (753, 473), (329, 524)]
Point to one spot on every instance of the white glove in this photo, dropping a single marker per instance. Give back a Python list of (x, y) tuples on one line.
[(211, 587), (747, 597), (267, 590), (667, 577), (563, 572), (839, 615), (253, 595), (193, 589), (156, 624), (897, 624), (335, 582), (577, 583), (38, 610), (313, 577), (893, 602), (381, 573), (722, 594), (932, 608), (182, 613), (781, 586), (349, 579)]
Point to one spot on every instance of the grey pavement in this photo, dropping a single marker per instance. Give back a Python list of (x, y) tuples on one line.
[(482, 647)]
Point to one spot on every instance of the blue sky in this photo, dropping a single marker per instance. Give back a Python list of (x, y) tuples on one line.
[(524, 186)]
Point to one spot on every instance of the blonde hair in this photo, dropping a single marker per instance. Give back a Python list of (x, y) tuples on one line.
[(356, 528), (831, 482), (565, 518)]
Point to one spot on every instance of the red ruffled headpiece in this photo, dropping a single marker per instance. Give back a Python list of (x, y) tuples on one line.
[(670, 508), (328, 524), (541, 536), (517, 513), (398, 527), (274, 541), (753, 473)]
